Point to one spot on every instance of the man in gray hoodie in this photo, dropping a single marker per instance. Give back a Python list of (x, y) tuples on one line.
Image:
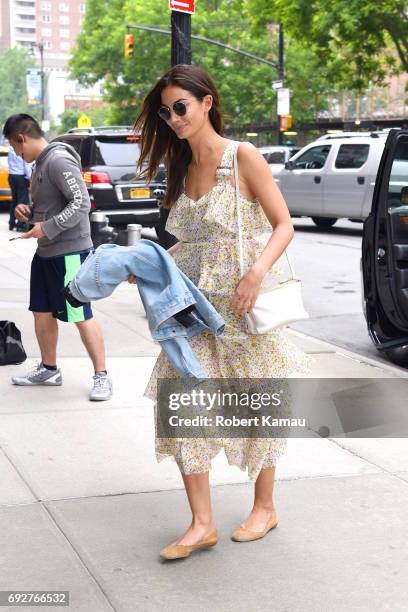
[(59, 217)]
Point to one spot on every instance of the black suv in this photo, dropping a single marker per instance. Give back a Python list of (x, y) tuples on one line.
[(384, 261), (109, 155)]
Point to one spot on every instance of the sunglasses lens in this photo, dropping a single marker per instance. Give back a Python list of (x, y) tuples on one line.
[(164, 113), (180, 108)]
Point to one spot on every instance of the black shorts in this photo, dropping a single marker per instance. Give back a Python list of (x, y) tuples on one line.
[(48, 277)]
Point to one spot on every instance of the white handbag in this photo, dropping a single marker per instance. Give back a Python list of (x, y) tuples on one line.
[(277, 306)]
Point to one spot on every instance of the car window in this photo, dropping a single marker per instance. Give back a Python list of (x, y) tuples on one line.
[(398, 185), (352, 155), (116, 151), (313, 159), (275, 157), (74, 142), (293, 152)]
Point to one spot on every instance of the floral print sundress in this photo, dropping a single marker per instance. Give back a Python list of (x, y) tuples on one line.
[(207, 231)]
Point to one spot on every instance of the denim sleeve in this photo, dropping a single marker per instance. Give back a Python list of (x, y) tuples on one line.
[(65, 174)]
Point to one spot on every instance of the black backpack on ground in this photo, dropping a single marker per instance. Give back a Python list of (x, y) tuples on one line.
[(11, 346)]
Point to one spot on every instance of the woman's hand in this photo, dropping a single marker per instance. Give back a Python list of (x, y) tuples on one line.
[(247, 291), (132, 279)]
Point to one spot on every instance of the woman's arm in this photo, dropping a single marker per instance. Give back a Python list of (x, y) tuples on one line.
[(256, 179), (173, 249)]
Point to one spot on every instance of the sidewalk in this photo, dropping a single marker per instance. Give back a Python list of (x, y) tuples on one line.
[(85, 508)]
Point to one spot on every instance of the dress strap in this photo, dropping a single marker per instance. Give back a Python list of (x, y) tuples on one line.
[(224, 170), (228, 155)]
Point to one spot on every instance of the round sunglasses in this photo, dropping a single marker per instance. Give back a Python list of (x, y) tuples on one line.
[(180, 108)]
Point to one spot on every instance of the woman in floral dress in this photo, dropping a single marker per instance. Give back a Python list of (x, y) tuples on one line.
[(181, 123)]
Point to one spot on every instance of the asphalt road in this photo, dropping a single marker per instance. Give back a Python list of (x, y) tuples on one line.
[(328, 262)]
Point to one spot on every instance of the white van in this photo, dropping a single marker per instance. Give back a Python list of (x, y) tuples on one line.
[(333, 177)]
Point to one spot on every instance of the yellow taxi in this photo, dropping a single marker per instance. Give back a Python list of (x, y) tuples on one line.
[(5, 191)]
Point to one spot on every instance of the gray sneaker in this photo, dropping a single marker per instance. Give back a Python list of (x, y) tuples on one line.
[(102, 388), (39, 376)]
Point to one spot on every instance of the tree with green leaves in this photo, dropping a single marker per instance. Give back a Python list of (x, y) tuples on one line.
[(13, 93), (245, 85), (356, 42), (69, 118)]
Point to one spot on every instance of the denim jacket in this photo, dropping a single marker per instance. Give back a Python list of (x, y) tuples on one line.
[(164, 289)]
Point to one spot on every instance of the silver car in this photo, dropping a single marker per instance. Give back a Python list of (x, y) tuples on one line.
[(333, 177), (278, 155)]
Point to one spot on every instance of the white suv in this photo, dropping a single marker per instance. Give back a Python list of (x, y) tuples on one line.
[(333, 177)]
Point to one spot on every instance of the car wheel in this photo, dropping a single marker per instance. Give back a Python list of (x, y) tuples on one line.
[(398, 355), (324, 221)]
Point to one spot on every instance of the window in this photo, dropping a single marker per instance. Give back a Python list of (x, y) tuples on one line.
[(46, 18), (45, 6), (64, 33), (352, 155), (275, 157), (116, 151), (64, 45), (398, 184), (63, 7), (82, 8), (46, 32), (47, 44), (64, 19), (313, 159), (74, 142)]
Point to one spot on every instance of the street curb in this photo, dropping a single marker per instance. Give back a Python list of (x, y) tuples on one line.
[(333, 348)]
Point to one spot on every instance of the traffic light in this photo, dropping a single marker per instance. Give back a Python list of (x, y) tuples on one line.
[(285, 122), (129, 44)]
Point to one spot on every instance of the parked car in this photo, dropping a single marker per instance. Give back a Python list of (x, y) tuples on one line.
[(109, 155), (277, 155), (333, 177), (5, 191), (384, 261)]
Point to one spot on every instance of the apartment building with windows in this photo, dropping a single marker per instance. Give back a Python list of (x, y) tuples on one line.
[(56, 24)]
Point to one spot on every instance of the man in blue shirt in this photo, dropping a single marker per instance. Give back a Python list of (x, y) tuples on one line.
[(19, 181)]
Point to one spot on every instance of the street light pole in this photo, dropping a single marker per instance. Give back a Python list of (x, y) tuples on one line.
[(41, 50), (180, 54), (281, 76)]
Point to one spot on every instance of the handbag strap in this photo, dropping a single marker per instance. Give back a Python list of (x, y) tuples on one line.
[(239, 219)]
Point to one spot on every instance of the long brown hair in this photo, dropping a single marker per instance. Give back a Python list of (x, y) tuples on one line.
[(159, 143)]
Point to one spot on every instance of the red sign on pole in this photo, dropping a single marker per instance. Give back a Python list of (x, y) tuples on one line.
[(183, 6)]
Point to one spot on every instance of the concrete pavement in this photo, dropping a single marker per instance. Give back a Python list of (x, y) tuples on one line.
[(84, 506)]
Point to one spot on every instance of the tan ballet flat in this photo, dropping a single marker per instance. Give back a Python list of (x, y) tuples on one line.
[(179, 551), (242, 534)]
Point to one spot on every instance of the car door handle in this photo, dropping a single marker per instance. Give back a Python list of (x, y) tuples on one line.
[(317, 179), (360, 180), (381, 253)]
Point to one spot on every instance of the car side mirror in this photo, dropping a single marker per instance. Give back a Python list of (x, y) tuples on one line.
[(290, 165)]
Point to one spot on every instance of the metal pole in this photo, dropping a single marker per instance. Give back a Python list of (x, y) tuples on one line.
[(41, 49), (180, 38), (180, 54), (281, 76)]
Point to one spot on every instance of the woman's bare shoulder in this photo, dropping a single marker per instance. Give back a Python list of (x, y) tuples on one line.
[(250, 159)]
